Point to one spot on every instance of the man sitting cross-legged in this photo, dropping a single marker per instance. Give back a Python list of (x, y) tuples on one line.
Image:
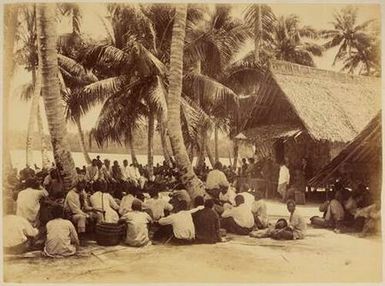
[(206, 222), (179, 224), (62, 239), (238, 219), (137, 225)]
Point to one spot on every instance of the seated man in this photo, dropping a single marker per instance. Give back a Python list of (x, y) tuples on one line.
[(62, 239), (259, 211), (238, 219), (182, 226), (157, 205), (77, 208), (126, 202), (137, 225), (216, 179), (18, 234), (333, 214), (28, 201), (104, 204), (206, 222), (296, 228)]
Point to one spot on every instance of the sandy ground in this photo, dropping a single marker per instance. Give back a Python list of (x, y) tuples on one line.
[(322, 256)]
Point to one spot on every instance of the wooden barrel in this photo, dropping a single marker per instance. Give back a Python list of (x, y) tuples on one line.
[(108, 234)]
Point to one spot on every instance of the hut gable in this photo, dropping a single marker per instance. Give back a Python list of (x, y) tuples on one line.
[(331, 106)]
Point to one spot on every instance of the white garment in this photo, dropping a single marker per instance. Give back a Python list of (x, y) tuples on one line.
[(137, 230), (125, 172), (157, 207), (216, 179), (104, 201), (259, 209), (126, 204), (182, 224), (198, 208), (133, 173), (228, 196), (284, 175), (61, 238), (241, 214), (16, 229), (28, 203), (249, 199)]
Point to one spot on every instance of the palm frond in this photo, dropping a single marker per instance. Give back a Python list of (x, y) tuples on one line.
[(76, 69), (102, 89), (25, 91)]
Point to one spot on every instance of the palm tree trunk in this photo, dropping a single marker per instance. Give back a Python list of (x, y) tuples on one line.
[(150, 143), (201, 154), (209, 154), (193, 185), (235, 150), (216, 151), (36, 81), (10, 20), (47, 41), (163, 140), (131, 146), (45, 162), (82, 141), (258, 33)]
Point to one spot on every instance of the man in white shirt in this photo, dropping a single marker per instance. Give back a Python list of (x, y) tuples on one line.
[(126, 202), (17, 234), (239, 219), (157, 205), (133, 174), (259, 211), (28, 201), (283, 181), (62, 239), (125, 172), (182, 225), (216, 179), (93, 172), (137, 225)]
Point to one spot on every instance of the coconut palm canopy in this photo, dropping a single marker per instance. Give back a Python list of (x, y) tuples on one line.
[(363, 154), (329, 105)]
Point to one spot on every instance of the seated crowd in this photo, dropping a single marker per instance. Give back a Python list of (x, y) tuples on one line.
[(152, 209)]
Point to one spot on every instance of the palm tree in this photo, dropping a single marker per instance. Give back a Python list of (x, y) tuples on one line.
[(288, 42), (193, 185), (354, 40), (50, 87), (10, 20)]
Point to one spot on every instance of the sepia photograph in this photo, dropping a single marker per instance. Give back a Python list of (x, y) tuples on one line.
[(191, 142)]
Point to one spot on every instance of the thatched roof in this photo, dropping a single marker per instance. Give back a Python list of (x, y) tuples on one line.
[(363, 154), (329, 105), (269, 132)]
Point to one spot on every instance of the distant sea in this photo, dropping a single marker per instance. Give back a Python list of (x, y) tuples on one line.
[(18, 158)]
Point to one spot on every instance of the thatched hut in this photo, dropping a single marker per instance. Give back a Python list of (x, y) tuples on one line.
[(300, 111), (360, 162)]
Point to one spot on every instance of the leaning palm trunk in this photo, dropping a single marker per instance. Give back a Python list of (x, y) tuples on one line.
[(150, 144), (130, 142), (235, 150), (201, 154), (216, 151), (82, 141), (47, 39), (45, 162), (32, 118), (209, 154), (163, 139), (193, 185)]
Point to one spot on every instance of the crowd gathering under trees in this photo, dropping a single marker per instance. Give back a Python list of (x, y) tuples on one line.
[(172, 69)]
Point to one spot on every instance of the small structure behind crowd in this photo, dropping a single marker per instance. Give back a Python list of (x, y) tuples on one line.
[(306, 114)]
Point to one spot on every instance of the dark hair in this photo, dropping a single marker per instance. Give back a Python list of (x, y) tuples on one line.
[(136, 205), (290, 202), (209, 203), (183, 205), (140, 196), (199, 201), (281, 224), (217, 165), (239, 199), (57, 212), (53, 174), (32, 183), (154, 193)]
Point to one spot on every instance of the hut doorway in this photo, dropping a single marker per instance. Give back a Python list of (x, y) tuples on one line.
[(279, 151)]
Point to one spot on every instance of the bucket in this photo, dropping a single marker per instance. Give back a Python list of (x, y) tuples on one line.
[(109, 234)]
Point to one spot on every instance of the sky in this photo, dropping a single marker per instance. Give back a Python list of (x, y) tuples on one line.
[(317, 16)]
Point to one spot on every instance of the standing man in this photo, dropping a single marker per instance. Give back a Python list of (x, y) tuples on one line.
[(283, 180)]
